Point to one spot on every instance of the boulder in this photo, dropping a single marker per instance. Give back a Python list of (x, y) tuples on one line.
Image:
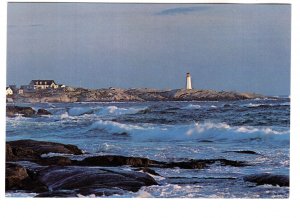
[(18, 177), (12, 111), (43, 112), (14, 175), (267, 178), (91, 180)]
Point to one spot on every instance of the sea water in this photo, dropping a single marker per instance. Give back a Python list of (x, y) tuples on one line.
[(176, 131)]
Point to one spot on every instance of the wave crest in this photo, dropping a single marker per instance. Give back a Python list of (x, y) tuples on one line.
[(196, 131)]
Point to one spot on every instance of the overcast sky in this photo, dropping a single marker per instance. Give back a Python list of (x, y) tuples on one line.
[(95, 45)]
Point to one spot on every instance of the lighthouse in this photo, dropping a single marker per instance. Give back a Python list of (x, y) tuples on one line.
[(188, 81)]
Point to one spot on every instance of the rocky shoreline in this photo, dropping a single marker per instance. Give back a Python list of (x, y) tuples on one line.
[(72, 173), (70, 94)]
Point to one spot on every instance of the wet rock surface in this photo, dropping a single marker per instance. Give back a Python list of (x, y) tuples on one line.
[(93, 178)]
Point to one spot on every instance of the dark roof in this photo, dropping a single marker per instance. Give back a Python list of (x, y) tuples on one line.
[(48, 82)]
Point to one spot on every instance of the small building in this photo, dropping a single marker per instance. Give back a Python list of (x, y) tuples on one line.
[(21, 91), (9, 91), (43, 84)]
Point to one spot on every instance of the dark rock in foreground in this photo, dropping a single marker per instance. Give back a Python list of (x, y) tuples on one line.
[(93, 180), (72, 181), (59, 176), (267, 178)]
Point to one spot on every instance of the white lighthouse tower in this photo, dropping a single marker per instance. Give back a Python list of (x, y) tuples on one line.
[(188, 81)]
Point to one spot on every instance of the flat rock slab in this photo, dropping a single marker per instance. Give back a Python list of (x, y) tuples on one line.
[(93, 180), (267, 178), (117, 160)]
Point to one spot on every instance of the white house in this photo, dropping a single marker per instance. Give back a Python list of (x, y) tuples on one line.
[(9, 91), (43, 84)]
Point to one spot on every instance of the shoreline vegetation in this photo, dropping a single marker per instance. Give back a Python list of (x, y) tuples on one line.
[(70, 95), (74, 173)]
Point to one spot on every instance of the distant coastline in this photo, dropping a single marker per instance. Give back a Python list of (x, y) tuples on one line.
[(70, 94)]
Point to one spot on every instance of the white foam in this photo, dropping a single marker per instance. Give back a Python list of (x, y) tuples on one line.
[(64, 116), (192, 107), (19, 194), (271, 105), (114, 110)]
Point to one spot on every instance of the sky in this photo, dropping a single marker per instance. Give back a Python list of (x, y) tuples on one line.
[(232, 47)]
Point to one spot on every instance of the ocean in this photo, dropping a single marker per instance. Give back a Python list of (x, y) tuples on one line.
[(256, 131)]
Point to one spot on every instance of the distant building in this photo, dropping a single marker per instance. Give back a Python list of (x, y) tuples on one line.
[(43, 84), (9, 91), (188, 81)]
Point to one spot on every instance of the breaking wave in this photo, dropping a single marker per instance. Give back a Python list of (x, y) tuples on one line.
[(77, 111), (196, 131), (252, 105), (114, 110), (192, 107)]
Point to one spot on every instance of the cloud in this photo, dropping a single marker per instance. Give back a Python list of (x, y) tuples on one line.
[(182, 10)]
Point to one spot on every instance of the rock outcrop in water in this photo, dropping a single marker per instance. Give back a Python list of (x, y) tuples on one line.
[(268, 179), (28, 169), (125, 95), (12, 111)]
